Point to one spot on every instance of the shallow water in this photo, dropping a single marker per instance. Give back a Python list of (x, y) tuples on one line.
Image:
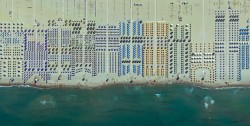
[(175, 105)]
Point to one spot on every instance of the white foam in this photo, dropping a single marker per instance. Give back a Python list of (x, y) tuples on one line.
[(19, 86), (236, 87), (5, 86), (206, 105), (24, 86), (208, 101), (212, 102), (43, 102), (158, 95), (73, 95)]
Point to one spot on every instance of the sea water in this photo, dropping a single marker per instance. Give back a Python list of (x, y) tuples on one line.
[(175, 105)]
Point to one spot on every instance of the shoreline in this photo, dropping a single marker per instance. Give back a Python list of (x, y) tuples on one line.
[(105, 85)]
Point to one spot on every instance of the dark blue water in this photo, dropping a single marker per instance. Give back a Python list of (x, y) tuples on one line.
[(175, 105)]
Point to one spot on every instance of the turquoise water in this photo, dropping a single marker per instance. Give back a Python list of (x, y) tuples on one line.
[(175, 105)]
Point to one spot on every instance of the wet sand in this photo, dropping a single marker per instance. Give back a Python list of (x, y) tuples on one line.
[(133, 83)]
